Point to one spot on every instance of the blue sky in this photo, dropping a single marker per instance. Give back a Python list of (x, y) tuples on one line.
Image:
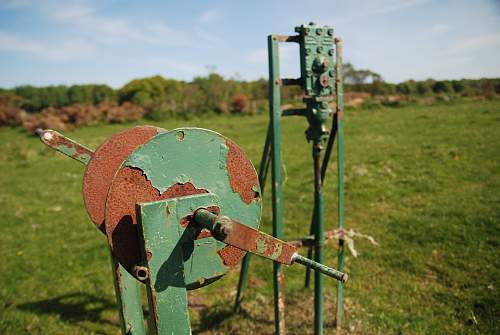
[(90, 41)]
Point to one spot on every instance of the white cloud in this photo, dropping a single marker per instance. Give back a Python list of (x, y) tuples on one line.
[(477, 42), (441, 28), (388, 6), (208, 16), (59, 51)]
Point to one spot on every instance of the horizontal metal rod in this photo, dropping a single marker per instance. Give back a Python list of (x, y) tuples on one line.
[(340, 276)]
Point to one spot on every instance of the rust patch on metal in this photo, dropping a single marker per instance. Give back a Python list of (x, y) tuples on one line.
[(242, 175), (105, 161), (79, 150), (231, 256), (130, 186)]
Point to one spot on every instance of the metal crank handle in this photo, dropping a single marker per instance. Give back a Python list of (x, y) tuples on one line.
[(61, 143), (252, 240)]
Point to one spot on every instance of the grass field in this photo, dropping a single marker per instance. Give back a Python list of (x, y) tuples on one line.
[(423, 181)]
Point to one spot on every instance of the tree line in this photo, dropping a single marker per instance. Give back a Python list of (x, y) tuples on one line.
[(159, 98)]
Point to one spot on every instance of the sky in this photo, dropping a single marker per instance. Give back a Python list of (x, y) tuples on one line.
[(47, 42)]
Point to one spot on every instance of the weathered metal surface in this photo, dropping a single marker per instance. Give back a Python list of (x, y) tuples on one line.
[(65, 145), (166, 287), (129, 187), (246, 238), (242, 176), (171, 166), (105, 161), (339, 87)]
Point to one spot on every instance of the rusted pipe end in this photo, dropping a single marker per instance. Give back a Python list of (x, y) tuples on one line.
[(140, 272)]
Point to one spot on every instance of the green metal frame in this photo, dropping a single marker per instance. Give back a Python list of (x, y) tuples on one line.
[(316, 112)]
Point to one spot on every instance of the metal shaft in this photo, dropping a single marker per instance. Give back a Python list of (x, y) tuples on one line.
[(321, 268)]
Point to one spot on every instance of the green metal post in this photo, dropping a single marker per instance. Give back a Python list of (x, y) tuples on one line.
[(263, 168), (339, 115), (319, 239), (276, 185), (128, 299)]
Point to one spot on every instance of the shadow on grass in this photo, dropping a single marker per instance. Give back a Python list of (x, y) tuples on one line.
[(73, 308)]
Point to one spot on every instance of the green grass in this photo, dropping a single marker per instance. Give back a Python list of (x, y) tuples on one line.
[(423, 181)]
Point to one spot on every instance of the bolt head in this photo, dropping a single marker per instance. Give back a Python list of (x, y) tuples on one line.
[(320, 49), (319, 31), (308, 51), (330, 52), (330, 32)]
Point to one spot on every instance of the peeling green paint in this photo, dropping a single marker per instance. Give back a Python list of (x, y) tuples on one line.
[(261, 246), (165, 160), (277, 250)]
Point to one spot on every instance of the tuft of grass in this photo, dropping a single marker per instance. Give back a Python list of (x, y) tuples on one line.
[(423, 180)]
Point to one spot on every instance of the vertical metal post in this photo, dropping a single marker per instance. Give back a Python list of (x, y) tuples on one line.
[(319, 239), (128, 299), (339, 115), (263, 168), (276, 185)]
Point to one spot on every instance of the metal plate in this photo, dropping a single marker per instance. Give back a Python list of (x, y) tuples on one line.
[(178, 163), (104, 163)]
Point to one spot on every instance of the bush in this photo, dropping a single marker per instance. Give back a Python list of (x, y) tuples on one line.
[(10, 113), (239, 104), (442, 87)]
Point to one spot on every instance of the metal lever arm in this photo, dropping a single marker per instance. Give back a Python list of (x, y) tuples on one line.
[(61, 143), (252, 240)]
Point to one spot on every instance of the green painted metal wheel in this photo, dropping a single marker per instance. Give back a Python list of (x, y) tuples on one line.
[(179, 163)]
